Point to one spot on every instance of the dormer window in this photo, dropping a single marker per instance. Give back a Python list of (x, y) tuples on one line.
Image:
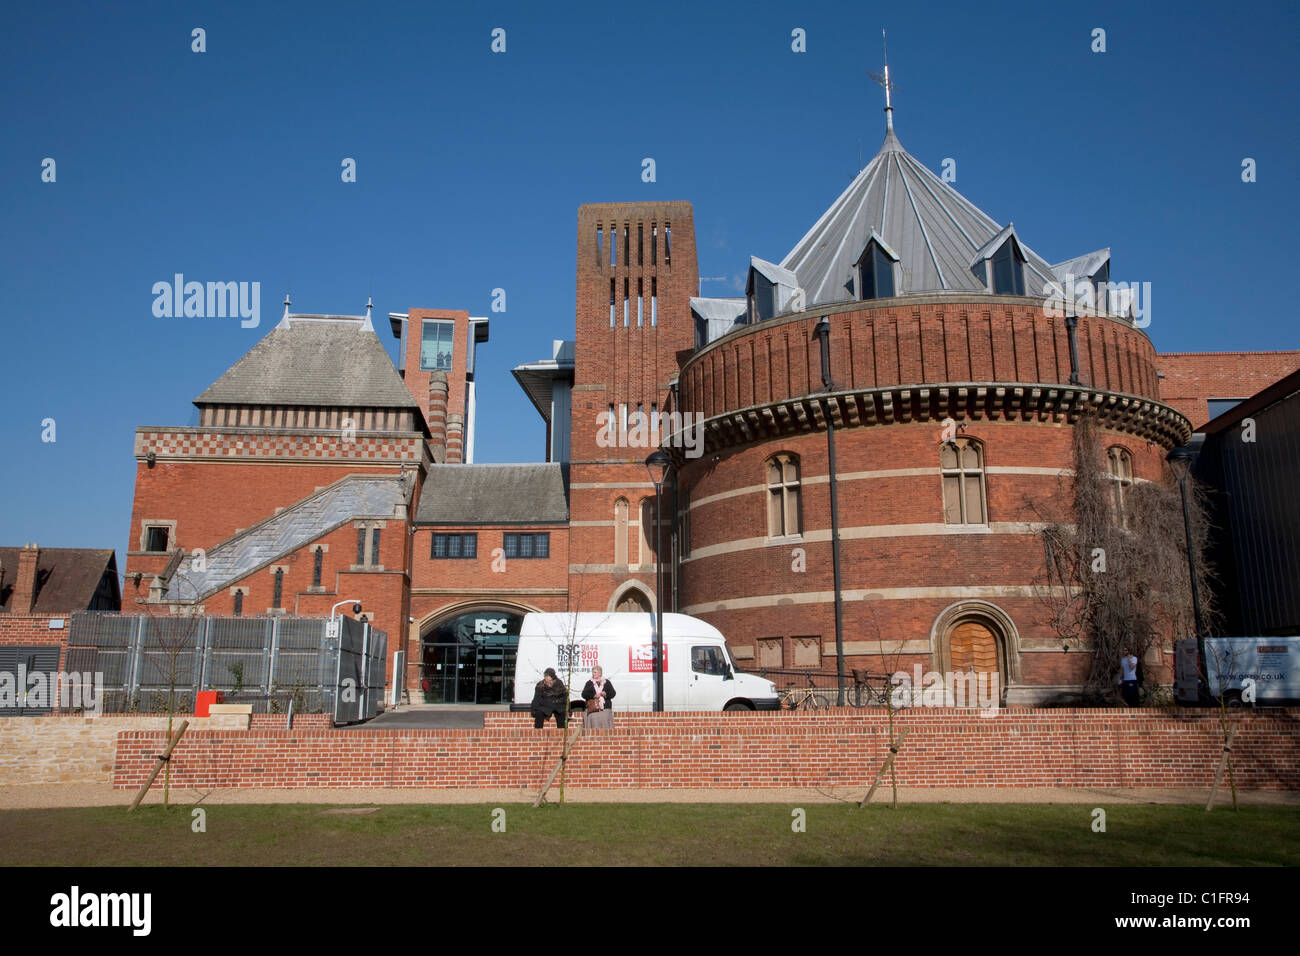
[(876, 272), (762, 299), (1008, 271), (771, 290)]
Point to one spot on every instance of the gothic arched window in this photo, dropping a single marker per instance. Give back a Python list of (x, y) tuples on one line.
[(783, 495), (961, 462)]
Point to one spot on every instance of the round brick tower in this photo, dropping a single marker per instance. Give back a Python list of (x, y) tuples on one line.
[(956, 381)]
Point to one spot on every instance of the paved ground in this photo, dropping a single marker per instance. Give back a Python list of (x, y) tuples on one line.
[(23, 796), (427, 717)]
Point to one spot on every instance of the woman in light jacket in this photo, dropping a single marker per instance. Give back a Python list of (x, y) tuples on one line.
[(601, 691)]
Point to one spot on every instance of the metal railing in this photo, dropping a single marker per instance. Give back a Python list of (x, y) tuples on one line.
[(804, 688)]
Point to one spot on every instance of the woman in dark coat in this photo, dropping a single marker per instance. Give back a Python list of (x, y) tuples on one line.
[(602, 692), (550, 698)]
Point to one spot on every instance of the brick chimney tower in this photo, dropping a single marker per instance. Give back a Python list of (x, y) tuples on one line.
[(438, 416), (455, 439), (24, 596)]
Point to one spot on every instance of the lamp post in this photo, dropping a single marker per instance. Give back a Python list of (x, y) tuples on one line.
[(1180, 463), (356, 607), (823, 332), (657, 464)]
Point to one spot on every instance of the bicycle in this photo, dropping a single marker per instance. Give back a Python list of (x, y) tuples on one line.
[(803, 698), (874, 690)]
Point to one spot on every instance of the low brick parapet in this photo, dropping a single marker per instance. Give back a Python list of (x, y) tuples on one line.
[(841, 747)]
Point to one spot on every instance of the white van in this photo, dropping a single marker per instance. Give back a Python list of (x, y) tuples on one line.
[(699, 673), (1245, 670)]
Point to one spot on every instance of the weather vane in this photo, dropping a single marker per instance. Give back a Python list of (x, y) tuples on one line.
[(883, 80)]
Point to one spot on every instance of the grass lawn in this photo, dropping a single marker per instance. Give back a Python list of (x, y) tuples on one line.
[(655, 835)]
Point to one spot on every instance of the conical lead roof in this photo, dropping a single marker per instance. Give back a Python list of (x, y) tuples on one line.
[(935, 231)]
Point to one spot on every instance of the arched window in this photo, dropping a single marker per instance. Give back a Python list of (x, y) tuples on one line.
[(1119, 466), (239, 603), (317, 562), (961, 462), (633, 601), (279, 588), (783, 495), (620, 531)]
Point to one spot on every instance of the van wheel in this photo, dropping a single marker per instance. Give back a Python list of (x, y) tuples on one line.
[(737, 706)]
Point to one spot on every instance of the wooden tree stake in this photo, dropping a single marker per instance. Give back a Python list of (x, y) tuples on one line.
[(566, 749), (162, 760), (894, 748)]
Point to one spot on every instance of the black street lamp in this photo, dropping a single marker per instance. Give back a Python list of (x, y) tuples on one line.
[(657, 464), (823, 332), (1180, 463)]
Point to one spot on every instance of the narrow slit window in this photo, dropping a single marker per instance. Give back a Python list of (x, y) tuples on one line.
[(611, 303), (654, 300), (278, 599), (640, 301), (627, 309), (668, 244), (316, 568), (374, 547), (640, 244), (600, 247), (239, 603), (361, 545), (654, 244), (613, 245), (620, 531), (627, 244)]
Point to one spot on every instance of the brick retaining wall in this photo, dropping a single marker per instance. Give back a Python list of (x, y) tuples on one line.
[(1018, 748)]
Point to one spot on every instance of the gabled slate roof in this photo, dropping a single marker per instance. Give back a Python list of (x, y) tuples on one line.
[(934, 230), (494, 494), (67, 579), (316, 361)]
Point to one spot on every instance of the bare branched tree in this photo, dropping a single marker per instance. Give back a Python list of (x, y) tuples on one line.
[(174, 627), (1115, 570)]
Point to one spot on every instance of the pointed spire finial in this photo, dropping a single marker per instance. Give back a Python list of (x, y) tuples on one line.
[(366, 325), (884, 81), (284, 319)]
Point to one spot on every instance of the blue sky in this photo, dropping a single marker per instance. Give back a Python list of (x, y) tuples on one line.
[(225, 166)]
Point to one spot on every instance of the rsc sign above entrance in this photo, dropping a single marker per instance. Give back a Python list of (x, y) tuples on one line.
[(469, 658)]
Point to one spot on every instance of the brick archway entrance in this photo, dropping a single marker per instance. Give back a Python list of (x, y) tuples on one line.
[(977, 637)]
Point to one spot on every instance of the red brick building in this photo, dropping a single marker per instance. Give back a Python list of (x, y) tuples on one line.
[(321, 473)]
